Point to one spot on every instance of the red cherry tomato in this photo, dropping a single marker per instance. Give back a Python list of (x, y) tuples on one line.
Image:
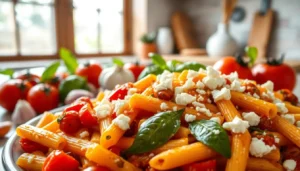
[(283, 76), (120, 92), (11, 91), (91, 71), (70, 122), (60, 161), (75, 107), (209, 165), (30, 146), (96, 168), (136, 69), (228, 65), (266, 124), (84, 100), (87, 116), (43, 97), (32, 78), (267, 139)]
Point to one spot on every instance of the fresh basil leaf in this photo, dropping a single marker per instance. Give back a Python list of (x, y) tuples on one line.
[(172, 65), (156, 131), (69, 60), (50, 71), (9, 72), (252, 54), (189, 66), (153, 69), (204, 131), (118, 62), (158, 60)]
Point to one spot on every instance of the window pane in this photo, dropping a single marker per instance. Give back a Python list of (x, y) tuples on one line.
[(37, 29), (38, 1), (7, 30)]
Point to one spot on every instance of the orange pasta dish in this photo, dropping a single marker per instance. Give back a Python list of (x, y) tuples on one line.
[(191, 121)]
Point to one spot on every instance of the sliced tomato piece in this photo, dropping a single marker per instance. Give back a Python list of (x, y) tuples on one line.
[(30, 146), (59, 161), (75, 107), (209, 165), (85, 100), (87, 116), (120, 92)]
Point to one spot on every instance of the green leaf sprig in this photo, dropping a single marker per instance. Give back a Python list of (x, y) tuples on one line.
[(252, 54), (69, 59), (50, 71), (118, 62), (9, 72)]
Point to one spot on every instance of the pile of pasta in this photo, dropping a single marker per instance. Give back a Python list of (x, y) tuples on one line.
[(175, 121)]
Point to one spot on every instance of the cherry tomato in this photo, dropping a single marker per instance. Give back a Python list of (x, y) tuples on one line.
[(136, 69), (60, 161), (96, 168), (120, 92), (11, 91), (209, 165), (266, 124), (282, 75), (87, 116), (289, 96), (43, 97), (75, 107), (91, 71), (70, 122), (30, 146), (228, 65), (32, 78), (268, 139), (84, 100)]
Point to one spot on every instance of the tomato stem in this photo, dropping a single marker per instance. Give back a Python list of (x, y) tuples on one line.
[(275, 61)]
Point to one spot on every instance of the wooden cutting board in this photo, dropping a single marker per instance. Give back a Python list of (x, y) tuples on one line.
[(260, 32)]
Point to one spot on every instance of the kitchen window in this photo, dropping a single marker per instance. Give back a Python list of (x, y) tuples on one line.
[(36, 29)]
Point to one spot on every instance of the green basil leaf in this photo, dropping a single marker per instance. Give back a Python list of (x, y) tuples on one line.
[(9, 72), (158, 60), (252, 54), (189, 66), (69, 60), (50, 71), (203, 131), (172, 65), (153, 69), (156, 131), (118, 62)]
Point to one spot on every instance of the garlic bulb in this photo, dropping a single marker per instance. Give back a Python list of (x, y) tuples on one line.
[(23, 112), (110, 77), (77, 93)]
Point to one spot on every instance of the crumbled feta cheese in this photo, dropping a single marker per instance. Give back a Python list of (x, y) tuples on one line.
[(165, 81), (269, 85), (84, 134), (184, 98), (216, 132), (192, 74), (201, 70), (164, 106), (277, 140), (256, 95), (236, 86), (122, 121), (178, 90), (216, 119), (197, 104), (103, 109), (188, 84), (232, 76), (298, 124), (118, 105), (200, 91), (175, 108), (204, 110), (290, 118), (258, 148), (189, 117), (252, 118), (131, 91), (224, 93), (237, 125), (199, 85), (290, 164), (281, 108), (213, 79), (200, 98), (208, 100)]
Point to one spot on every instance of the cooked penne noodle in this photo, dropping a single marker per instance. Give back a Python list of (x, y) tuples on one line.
[(148, 91), (291, 108), (258, 106), (100, 96), (274, 155), (125, 142), (297, 117), (263, 165), (86, 163), (145, 82), (52, 126), (106, 158), (104, 124), (41, 136), (283, 141), (183, 75), (180, 156), (83, 133), (31, 162), (171, 144), (287, 129), (212, 108), (95, 137), (182, 132), (46, 119)]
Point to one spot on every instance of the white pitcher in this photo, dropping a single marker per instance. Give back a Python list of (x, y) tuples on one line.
[(165, 41)]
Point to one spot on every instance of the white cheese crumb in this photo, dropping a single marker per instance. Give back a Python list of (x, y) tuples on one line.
[(237, 125), (178, 90), (189, 117), (236, 86), (298, 124), (131, 91), (232, 76), (290, 118), (204, 110), (188, 84), (103, 109), (197, 104), (256, 95), (213, 79), (200, 91), (258, 148), (200, 98), (184, 98), (192, 74), (224, 93), (281, 108), (277, 140), (201, 70), (164, 106), (252, 118), (290, 164), (216, 119), (175, 108), (216, 132), (84, 134), (122, 121), (118, 105), (165, 81), (199, 85), (269, 85)]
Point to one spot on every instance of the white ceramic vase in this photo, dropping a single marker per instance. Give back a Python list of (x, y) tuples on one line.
[(221, 43), (164, 40)]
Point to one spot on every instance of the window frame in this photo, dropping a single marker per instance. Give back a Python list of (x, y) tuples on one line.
[(65, 37)]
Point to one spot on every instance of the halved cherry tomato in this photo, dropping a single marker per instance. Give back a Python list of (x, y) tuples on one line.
[(136, 69), (209, 165), (120, 92), (268, 139), (96, 168), (87, 116), (32, 78), (70, 122), (11, 91), (266, 124), (30, 146), (60, 161), (85, 100), (75, 107), (91, 71), (115, 150)]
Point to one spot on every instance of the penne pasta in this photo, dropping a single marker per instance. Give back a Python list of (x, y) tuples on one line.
[(85, 162), (291, 108), (83, 133), (95, 137), (283, 141), (274, 155), (46, 119), (145, 82), (124, 142), (52, 126), (148, 91), (104, 124), (171, 144), (100, 96), (31, 162), (263, 165), (182, 132)]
